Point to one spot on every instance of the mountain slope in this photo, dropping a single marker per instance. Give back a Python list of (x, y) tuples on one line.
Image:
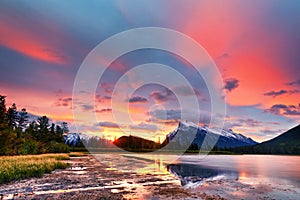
[(188, 131), (286, 143), (133, 143)]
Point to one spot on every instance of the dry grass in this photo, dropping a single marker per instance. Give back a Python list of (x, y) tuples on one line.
[(20, 167), (77, 154)]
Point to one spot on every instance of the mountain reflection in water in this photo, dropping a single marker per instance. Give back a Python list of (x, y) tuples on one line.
[(193, 175)]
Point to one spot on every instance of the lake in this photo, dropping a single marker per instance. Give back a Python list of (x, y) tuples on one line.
[(234, 176)]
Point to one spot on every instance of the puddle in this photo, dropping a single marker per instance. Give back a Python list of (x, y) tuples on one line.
[(78, 168), (79, 172)]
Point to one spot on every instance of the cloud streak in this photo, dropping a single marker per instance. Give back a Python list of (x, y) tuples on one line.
[(282, 109), (137, 99), (281, 92), (108, 124), (163, 96), (297, 82), (144, 126)]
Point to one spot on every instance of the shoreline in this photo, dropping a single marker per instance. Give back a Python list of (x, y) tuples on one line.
[(87, 178), (118, 176)]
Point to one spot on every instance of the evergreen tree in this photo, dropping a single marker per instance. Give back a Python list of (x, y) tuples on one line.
[(23, 119), (59, 134), (52, 129), (12, 116), (58, 130), (32, 130), (65, 127), (3, 120), (42, 125)]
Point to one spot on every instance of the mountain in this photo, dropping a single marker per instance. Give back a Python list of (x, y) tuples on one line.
[(286, 143), (82, 140), (75, 139), (188, 131), (133, 143)]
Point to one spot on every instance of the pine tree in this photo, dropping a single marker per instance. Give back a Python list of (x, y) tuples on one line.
[(59, 134), (3, 120), (23, 119), (43, 124), (65, 127), (12, 116)]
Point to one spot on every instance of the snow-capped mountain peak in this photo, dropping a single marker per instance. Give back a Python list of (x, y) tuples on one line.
[(226, 138)]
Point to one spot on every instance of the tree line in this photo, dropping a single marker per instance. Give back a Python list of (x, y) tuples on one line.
[(19, 135)]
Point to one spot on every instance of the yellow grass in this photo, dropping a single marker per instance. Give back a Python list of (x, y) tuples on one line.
[(20, 167), (77, 154)]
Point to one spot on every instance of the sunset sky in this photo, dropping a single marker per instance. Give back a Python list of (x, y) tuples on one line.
[(255, 45)]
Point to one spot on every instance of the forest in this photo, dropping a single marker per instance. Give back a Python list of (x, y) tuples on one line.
[(20, 136)]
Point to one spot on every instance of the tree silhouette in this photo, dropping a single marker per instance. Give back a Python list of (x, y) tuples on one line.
[(12, 116), (42, 126), (23, 119), (3, 121), (65, 127), (59, 134)]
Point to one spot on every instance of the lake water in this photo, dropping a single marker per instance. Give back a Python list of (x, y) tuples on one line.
[(247, 166), (252, 166), (239, 176)]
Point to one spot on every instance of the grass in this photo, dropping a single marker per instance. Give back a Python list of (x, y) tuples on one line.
[(21, 167), (78, 154)]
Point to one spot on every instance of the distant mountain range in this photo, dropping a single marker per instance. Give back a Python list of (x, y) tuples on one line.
[(286, 143), (181, 137)]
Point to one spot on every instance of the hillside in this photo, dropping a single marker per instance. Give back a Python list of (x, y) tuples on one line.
[(286, 143), (133, 143)]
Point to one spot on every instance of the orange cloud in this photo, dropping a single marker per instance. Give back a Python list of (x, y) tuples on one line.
[(253, 52), (29, 43)]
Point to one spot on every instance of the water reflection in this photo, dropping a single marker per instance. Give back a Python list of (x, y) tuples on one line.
[(193, 175)]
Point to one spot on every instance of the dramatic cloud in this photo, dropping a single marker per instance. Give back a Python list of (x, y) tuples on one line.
[(297, 82), (242, 123), (250, 122), (66, 102), (42, 46), (281, 109), (144, 126), (103, 99), (281, 92), (87, 107), (105, 110), (108, 125), (165, 116), (137, 99), (188, 91), (162, 96), (231, 84)]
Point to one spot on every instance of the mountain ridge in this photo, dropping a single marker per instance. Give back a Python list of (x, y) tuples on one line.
[(206, 138), (286, 143)]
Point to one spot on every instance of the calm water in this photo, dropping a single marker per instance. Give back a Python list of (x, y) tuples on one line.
[(241, 167), (230, 176)]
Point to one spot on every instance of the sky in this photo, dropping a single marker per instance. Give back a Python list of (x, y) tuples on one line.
[(254, 44)]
